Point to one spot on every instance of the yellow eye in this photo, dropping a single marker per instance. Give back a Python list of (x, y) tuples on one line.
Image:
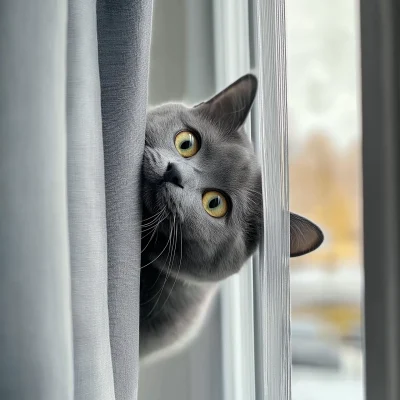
[(215, 204), (187, 144)]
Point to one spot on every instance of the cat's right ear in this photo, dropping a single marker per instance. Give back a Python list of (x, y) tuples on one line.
[(230, 107)]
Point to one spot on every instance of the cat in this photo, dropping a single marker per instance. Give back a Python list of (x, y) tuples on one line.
[(202, 213)]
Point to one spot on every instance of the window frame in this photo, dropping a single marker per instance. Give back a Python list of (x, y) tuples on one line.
[(256, 302), (380, 61)]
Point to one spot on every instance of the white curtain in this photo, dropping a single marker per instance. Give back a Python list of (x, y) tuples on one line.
[(73, 99)]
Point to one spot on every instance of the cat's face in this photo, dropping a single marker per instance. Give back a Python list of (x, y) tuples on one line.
[(200, 173)]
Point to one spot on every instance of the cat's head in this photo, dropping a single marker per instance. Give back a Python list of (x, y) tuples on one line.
[(200, 173)]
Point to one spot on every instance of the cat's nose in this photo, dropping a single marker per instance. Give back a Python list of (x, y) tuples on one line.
[(173, 175)]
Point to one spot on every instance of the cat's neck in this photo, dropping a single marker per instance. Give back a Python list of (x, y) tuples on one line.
[(161, 291), (170, 308)]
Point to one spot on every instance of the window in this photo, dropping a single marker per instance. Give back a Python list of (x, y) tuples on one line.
[(198, 48)]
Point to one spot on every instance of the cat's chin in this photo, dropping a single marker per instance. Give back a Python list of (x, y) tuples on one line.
[(159, 195), (191, 279)]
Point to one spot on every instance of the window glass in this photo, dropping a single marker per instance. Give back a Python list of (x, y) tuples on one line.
[(325, 185)]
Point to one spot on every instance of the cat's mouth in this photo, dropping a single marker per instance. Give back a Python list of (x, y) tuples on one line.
[(163, 197), (162, 184), (169, 194)]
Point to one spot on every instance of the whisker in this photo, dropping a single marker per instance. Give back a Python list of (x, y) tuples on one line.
[(169, 269), (176, 276), (154, 221), (154, 232), (150, 228), (151, 262), (155, 215), (166, 261), (154, 224)]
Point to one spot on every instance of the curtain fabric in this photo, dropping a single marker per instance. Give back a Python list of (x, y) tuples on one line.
[(73, 98)]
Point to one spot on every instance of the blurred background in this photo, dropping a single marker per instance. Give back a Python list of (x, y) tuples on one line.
[(325, 186)]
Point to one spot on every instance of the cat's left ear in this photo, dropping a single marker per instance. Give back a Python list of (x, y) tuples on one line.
[(305, 236), (230, 107)]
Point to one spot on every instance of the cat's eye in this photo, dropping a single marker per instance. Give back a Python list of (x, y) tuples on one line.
[(187, 144), (215, 203)]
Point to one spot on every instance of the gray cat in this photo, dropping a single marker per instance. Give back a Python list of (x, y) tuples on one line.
[(202, 212)]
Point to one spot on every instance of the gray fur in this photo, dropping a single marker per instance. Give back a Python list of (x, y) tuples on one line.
[(185, 251)]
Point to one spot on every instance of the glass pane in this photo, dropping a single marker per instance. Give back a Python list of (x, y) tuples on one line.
[(325, 186)]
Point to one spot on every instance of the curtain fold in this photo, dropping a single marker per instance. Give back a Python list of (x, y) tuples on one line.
[(35, 313), (87, 208), (124, 29), (73, 99)]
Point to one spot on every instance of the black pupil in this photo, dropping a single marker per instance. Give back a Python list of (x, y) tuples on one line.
[(187, 144), (215, 202)]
